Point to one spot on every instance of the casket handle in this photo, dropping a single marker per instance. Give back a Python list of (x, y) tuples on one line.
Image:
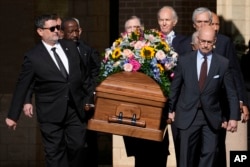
[(121, 120)]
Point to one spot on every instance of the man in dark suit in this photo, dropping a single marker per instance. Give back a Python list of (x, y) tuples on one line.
[(91, 62), (203, 17), (167, 20), (195, 108), (91, 59), (59, 96), (223, 46)]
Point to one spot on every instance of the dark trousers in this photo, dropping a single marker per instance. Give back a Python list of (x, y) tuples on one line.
[(190, 137), (221, 158), (147, 152), (91, 147), (176, 141), (64, 141)]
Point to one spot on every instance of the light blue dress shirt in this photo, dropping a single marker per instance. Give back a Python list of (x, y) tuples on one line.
[(200, 60)]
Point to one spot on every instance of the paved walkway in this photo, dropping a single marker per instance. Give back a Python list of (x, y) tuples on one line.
[(234, 141)]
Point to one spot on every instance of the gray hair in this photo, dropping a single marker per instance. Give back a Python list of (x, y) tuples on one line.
[(200, 10), (194, 36), (174, 14)]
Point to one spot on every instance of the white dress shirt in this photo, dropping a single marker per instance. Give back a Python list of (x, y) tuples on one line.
[(61, 54)]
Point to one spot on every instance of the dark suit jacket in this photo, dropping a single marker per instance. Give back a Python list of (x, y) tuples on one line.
[(52, 90), (226, 48), (176, 43), (91, 62), (185, 95)]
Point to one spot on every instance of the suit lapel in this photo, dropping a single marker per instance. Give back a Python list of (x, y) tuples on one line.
[(194, 76), (212, 70), (191, 73), (66, 51), (46, 56)]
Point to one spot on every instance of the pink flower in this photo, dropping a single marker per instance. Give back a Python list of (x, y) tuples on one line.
[(124, 35), (172, 75), (127, 53), (150, 37), (128, 67), (136, 64), (160, 55), (139, 44)]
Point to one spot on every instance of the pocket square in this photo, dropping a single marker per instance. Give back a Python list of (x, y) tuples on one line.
[(216, 76)]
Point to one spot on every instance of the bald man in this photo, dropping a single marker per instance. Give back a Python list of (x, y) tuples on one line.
[(195, 108)]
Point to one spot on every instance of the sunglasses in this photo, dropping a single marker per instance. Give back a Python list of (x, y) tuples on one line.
[(52, 29)]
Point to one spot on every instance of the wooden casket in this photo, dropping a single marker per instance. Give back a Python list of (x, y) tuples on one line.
[(129, 104)]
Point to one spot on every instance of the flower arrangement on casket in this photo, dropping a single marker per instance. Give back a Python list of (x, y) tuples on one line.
[(142, 51)]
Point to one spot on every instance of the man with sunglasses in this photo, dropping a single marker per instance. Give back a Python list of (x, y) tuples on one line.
[(59, 98)]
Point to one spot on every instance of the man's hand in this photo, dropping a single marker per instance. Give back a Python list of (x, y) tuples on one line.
[(245, 114), (28, 110), (10, 123), (232, 126), (89, 107), (224, 125), (171, 117)]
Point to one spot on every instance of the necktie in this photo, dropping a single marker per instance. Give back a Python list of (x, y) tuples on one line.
[(60, 63), (203, 73)]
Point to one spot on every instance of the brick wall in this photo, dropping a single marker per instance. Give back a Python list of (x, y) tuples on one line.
[(147, 11), (18, 34)]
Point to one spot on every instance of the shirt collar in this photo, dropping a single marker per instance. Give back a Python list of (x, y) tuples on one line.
[(200, 55), (49, 47), (171, 34)]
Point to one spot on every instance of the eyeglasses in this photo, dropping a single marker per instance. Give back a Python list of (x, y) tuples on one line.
[(203, 42), (52, 29)]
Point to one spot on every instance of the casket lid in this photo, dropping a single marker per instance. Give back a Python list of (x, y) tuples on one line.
[(132, 84)]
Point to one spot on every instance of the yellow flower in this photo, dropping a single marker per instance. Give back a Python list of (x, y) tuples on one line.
[(117, 42), (116, 53), (160, 68), (147, 52), (166, 46)]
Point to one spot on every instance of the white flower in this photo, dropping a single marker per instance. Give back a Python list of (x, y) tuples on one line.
[(107, 53), (174, 54), (116, 64)]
